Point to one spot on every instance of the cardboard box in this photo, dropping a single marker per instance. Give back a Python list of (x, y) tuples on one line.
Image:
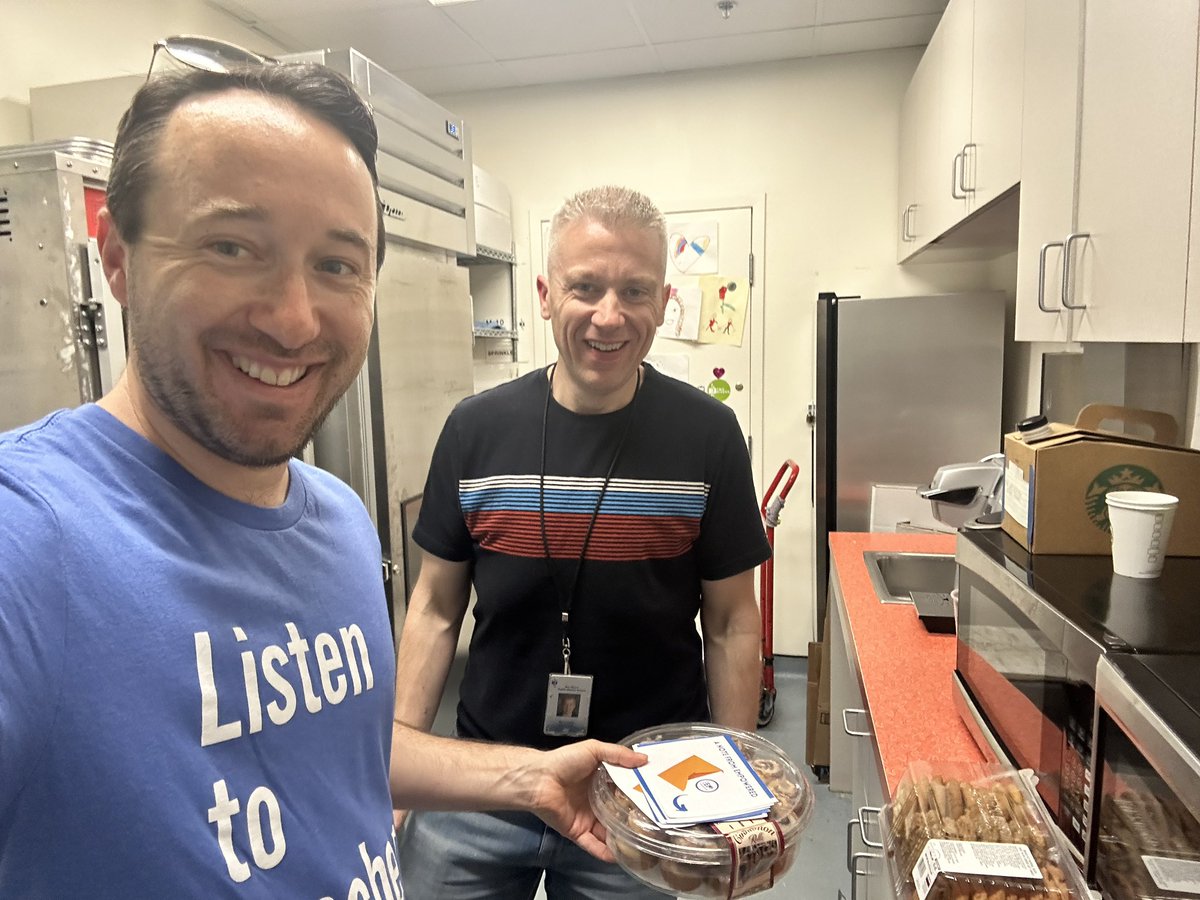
[(1054, 487), (816, 751)]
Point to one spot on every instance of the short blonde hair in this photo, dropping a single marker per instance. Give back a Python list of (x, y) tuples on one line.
[(612, 206)]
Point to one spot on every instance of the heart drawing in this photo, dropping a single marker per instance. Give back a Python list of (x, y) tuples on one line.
[(718, 372), (687, 251)]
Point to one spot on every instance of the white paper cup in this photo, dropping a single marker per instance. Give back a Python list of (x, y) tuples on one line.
[(1141, 526)]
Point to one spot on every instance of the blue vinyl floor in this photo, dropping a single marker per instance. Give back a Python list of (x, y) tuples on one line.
[(820, 868)]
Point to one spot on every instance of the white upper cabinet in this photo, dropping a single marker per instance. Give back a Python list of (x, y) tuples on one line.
[(994, 157), (1107, 170), (917, 142), (961, 120), (1050, 117)]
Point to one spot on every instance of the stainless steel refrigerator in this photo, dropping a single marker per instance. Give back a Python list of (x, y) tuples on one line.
[(903, 386)]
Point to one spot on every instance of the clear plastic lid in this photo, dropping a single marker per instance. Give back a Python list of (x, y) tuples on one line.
[(631, 833)]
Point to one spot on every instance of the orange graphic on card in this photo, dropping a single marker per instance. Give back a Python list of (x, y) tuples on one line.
[(685, 770)]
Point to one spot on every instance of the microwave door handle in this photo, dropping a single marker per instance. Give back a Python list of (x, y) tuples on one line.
[(978, 728)]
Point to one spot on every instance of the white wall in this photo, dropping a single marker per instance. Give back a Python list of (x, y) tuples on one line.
[(63, 41), (817, 137)]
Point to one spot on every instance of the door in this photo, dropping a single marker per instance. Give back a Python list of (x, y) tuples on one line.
[(1137, 129), (1048, 144), (706, 339)]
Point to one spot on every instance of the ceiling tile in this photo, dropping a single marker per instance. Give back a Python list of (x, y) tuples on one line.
[(584, 66), (736, 49), (831, 11), (855, 37), (456, 79), (528, 29), (682, 20), (256, 11), (410, 37)]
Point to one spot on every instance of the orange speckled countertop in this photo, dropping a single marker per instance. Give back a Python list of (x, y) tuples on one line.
[(906, 671)]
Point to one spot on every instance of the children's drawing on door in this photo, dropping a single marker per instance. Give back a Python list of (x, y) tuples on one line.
[(723, 303), (693, 249), (681, 321)]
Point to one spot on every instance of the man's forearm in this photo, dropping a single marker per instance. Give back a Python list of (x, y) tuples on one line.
[(733, 668), (427, 648), (430, 772)]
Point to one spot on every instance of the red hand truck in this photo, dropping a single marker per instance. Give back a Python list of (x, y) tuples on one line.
[(770, 512)]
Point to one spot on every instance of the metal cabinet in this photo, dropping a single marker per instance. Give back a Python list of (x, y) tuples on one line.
[(65, 331), (855, 767), (496, 328)]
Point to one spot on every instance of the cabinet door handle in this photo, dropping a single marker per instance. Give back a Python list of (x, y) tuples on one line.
[(866, 813), (1067, 282), (856, 873), (904, 235), (846, 723), (850, 842), (956, 177), (962, 183), (1041, 292)]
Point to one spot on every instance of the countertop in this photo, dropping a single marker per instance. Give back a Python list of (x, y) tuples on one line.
[(906, 671)]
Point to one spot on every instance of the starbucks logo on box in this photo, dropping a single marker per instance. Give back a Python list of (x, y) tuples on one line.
[(1116, 478)]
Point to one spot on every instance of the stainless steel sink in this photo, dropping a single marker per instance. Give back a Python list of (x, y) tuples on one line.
[(896, 575)]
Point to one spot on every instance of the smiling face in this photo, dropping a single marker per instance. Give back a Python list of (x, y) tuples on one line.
[(250, 291), (604, 297)]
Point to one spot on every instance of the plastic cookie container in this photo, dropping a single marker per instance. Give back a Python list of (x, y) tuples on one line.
[(957, 831), (725, 860)]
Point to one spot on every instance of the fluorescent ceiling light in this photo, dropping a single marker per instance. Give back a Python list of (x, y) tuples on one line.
[(448, 2)]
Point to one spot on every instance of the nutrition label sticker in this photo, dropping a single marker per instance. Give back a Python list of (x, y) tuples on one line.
[(972, 858), (1180, 875), (753, 846)]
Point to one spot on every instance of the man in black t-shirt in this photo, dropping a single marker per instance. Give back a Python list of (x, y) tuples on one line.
[(597, 507)]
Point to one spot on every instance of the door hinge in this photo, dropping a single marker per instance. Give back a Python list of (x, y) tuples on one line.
[(89, 325), (751, 270)]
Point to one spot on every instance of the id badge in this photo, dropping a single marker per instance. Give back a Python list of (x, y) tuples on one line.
[(568, 701)]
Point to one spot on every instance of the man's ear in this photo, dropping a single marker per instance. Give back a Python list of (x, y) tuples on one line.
[(543, 289), (662, 307), (114, 256)]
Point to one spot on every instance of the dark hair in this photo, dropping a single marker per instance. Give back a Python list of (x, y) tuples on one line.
[(314, 88)]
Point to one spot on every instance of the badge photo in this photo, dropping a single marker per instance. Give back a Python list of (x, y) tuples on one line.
[(568, 702)]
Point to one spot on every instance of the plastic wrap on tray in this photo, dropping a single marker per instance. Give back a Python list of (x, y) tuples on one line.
[(705, 861), (1149, 843), (960, 831)]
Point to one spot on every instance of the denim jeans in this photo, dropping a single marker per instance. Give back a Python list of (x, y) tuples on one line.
[(501, 856)]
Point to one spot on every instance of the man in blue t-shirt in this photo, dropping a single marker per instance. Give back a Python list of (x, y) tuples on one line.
[(196, 667)]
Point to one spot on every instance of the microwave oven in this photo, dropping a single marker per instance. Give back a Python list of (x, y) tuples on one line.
[(1031, 632), (1144, 839)]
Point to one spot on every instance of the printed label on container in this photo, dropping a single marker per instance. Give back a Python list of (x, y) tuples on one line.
[(972, 858), (1180, 875), (1016, 494), (754, 846)]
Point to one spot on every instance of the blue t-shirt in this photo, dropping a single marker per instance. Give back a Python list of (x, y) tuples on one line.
[(195, 694)]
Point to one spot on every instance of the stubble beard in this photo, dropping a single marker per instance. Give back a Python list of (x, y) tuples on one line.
[(203, 420)]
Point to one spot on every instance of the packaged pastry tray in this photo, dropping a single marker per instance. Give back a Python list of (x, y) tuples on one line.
[(957, 831), (1148, 841), (731, 860)]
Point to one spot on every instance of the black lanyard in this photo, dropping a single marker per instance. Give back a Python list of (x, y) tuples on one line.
[(568, 597)]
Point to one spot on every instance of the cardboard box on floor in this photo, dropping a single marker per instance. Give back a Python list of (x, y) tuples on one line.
[(1054, 487), (816, 745)]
